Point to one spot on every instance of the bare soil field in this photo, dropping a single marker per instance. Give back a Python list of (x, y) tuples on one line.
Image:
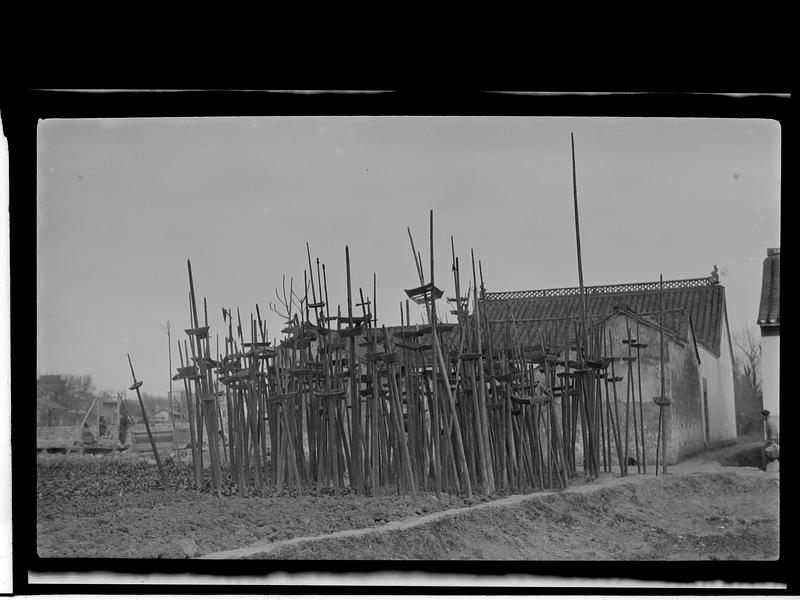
[(115, 507), (112, 507), (708, 516)]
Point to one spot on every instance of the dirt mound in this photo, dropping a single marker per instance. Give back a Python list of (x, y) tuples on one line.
[(711, 516)]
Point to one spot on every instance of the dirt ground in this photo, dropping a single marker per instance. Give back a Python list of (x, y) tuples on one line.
[(114, 507), (724, 516), (701, 510)]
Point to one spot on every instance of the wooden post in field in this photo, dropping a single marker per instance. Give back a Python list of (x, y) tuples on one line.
[(437, 428), (438, 352), (623, 467), (136, 385), (662, 435), (639, 346), (356, 472), (490, 485), (209, 415), (434, 404), (376, 398), (578, 243), (196, 465)]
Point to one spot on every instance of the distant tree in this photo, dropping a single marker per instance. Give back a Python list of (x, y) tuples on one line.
[(748, 350), (75, 393), (151, 403), (747, 380), (70, 391)]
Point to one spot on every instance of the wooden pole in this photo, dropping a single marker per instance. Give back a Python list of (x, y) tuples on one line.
[(209, 415), (204, 355), (639, 380), (397, 414), (661, 433), (376, 398), (633, 395), (333, 435), (434, 364), (623, 468), (136, 385), (438, 352), (198, 475), (490, 484), (434, 408), (578, 243), (356, 474), (628, 386)]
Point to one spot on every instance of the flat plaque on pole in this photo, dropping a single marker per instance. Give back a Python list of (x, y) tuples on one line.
[(330, 394), (201, 332)]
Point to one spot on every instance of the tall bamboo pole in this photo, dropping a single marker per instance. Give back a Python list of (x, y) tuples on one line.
[(136, 385), (438, 353), (196, 464), (632, 388), (662, 435), (578, 244), (639, 380), (397, 412), (434, 408), (490, 485), (623, 467), (376, 398), (356, 480), (209, 416)]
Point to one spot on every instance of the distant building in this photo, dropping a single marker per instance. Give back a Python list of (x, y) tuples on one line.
[(50, 413), (769, 320), (162, 415), (698, 352), (165, 438)]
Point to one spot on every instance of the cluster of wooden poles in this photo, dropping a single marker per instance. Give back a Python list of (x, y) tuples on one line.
[(343, 404), (596, 425)]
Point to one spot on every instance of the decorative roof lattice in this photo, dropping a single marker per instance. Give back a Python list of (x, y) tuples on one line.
[(621, 288)]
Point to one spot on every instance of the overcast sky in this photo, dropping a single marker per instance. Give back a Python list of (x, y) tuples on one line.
[(122, 203)]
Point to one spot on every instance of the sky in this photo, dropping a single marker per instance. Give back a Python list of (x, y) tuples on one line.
[(123, 203)]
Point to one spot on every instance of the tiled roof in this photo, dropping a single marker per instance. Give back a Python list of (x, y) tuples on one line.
[(676, 322), (769, 312), (547, 311)]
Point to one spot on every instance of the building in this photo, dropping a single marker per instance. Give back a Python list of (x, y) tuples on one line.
[(161, 415), (698, 349), (50, 413), (769, 320)]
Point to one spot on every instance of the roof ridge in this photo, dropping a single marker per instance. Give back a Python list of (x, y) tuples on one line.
[(626, 288)]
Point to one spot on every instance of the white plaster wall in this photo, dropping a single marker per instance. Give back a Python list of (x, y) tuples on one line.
[(771, 372), (709, 370), (718, 372), (727, 400)]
